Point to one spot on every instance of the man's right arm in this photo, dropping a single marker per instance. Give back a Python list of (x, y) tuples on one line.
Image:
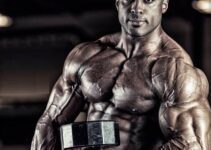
[(66, 99), (65, 103)]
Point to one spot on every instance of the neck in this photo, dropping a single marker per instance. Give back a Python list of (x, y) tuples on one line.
[(134, 45)]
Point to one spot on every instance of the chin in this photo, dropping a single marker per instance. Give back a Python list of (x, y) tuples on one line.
[(137, 34)]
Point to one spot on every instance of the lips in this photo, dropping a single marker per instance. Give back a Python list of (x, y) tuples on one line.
[(137, 22)]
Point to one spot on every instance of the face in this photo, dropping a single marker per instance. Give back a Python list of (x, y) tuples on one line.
[(140, 17)]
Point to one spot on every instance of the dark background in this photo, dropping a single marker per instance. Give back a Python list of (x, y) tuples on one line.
[(33, 49)]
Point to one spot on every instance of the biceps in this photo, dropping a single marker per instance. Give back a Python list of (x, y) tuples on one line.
[(65, 102)]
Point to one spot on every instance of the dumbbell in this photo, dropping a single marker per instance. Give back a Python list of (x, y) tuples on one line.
[(95, 134)]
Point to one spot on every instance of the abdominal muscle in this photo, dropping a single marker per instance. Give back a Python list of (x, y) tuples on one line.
[(137, 131)]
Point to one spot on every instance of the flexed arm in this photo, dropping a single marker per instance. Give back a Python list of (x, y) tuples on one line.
[(65, 103), (66, 99), (184, 114)]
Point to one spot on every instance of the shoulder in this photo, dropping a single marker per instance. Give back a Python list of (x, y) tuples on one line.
[(78, 56), (83, 52), (111, 39), (172, 49), (172, 59), (86, 50), (177, 79)]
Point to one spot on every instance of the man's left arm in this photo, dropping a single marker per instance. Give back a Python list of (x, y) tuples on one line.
[(184, 114)]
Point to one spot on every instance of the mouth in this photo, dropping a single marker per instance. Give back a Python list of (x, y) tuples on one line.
[(137, 22)]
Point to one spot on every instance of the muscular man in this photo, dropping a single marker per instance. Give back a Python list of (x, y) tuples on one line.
[(141, 78)]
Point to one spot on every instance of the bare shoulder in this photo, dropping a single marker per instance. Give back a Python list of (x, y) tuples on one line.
[(111, 39), (172, 63), (78, 56), (176, 81), (172, 49), (190, 83)]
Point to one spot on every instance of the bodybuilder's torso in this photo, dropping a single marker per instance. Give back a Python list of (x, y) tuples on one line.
[(120, 88)]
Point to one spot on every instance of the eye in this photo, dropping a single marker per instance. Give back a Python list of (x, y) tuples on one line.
[(148, 1)]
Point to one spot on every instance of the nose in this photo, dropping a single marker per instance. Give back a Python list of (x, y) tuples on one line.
[(137, 7)]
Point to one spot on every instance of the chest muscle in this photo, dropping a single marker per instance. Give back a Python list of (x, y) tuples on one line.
[(124, 83)]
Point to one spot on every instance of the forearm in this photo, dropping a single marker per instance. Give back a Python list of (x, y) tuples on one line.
[(190, 128), (178, 143), (63, 107), (46, 135)]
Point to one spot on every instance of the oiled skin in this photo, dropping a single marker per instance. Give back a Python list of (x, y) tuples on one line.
[(157, 96), (141, 79)]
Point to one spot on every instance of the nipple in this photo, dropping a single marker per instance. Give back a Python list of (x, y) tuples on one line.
[(134, 110)]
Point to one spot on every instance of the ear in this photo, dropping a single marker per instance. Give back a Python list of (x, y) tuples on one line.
[(165, 4), (117, 4)]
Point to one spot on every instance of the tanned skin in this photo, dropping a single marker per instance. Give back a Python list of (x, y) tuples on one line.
[(140, 78)]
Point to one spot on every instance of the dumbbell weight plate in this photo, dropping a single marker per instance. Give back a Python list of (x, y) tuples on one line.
[(89, 134)]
